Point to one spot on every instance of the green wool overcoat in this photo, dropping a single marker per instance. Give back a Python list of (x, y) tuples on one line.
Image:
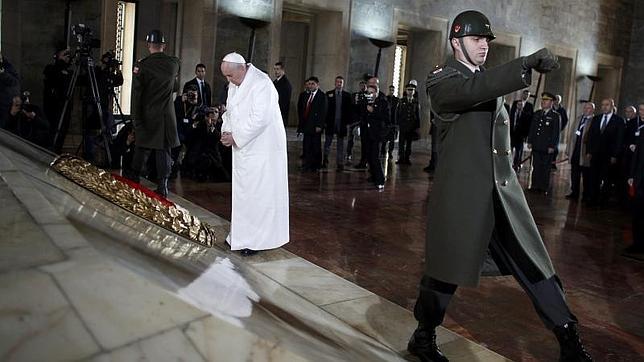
[(474, 175), (154, 79)]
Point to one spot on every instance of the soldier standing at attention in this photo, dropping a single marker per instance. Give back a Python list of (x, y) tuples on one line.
[(154, 80), (543, 140), (477, 204)]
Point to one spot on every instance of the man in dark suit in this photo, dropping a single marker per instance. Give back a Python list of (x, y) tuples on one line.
[(477, 207), (204, 94), (634, 119), (520, 117), (284, 90), (377, 118), (543, 140), (338, 116), (605, 139), (311, 111), (636, 183)]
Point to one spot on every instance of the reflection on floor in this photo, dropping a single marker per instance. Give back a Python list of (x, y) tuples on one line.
[(376, 240), (81, 279)]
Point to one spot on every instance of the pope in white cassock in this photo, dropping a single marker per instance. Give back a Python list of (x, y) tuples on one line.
[(253, 127)]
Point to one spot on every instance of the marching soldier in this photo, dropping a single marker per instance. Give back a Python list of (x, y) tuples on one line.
[(543, 140), (477, 204), (154, 80)]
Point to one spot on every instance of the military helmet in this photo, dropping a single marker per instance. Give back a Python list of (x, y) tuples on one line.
[(155, 37), (471, 23)]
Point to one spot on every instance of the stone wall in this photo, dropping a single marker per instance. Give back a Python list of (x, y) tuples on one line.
[(585, 31)]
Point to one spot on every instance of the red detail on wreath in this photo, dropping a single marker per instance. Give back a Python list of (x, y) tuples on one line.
[(149, 193)]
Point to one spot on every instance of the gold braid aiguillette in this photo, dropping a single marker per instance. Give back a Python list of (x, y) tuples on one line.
[(102, 183)]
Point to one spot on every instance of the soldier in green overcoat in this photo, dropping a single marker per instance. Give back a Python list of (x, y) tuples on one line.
[(154, 80), (477, 207)]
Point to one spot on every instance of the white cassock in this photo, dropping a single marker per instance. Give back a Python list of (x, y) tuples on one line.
[(260, 218)]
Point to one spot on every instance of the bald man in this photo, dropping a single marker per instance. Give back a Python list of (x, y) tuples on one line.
[(605, 138), (252, 126)]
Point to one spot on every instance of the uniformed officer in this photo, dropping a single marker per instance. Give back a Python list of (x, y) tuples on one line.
[(543, 140), (154, 80), (408, 118), (477, 205)]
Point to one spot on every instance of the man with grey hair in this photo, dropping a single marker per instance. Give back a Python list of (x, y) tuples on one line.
[(576, 152), (252, 126)]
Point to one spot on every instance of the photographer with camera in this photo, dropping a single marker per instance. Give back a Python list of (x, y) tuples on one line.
[(204, 94), (188, 113), (27, 121), (203, 159), (56, 82), (9, 87), (377, 120)]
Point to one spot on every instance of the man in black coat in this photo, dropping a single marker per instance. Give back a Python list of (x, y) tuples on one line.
[(520, 117), (632, 133), (477, 207), (387, 147), (407, 115), (9, 88), (543, 140), (355, 122), (377, 119), (284, 90), (204, 93), (605, 139), (311, 111), (56, 81), (338, 116), (636, 183)]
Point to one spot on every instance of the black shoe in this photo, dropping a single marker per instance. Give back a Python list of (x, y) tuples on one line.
[(162, 188), (572, 196), (340, 168), (248, 252), (360, 166), (399, 161), (571, 347), (423, 345)]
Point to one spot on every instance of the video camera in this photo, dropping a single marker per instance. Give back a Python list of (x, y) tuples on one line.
[(84, 39)]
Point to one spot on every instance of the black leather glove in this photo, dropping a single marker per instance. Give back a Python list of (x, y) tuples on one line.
[(543, 61)]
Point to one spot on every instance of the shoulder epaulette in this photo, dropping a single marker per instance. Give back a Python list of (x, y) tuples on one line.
[(439, 74)]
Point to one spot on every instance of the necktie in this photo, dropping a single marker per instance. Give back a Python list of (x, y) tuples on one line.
[(338, 108), (308, 106), (604, 123), (200, 91)]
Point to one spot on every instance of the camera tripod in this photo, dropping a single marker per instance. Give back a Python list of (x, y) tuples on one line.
[(85, 61)]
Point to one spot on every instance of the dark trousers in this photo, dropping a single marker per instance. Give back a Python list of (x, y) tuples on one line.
[(638, 222), (141, 155), (541, 162), (546, 295), (312, 144), (404, 147), (577, 173), (518, 154), (375, 167), (351, 140), (604, 176)]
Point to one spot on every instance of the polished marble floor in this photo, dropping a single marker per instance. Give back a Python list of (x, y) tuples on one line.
[(376, 240), (82, 279)]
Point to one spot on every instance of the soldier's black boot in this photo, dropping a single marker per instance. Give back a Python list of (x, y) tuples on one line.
[(325, 162), (162, 187), (423, 345), (571, 347)]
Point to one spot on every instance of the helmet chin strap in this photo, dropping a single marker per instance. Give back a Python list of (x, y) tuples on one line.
[(467, 56)]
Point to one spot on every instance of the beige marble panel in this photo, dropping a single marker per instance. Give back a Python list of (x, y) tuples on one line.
[(464, 350), (118, 305), (65, 236), (22, 242), (378, 318), (218, 340), (171, 345), (313, 283), (37, 323)]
